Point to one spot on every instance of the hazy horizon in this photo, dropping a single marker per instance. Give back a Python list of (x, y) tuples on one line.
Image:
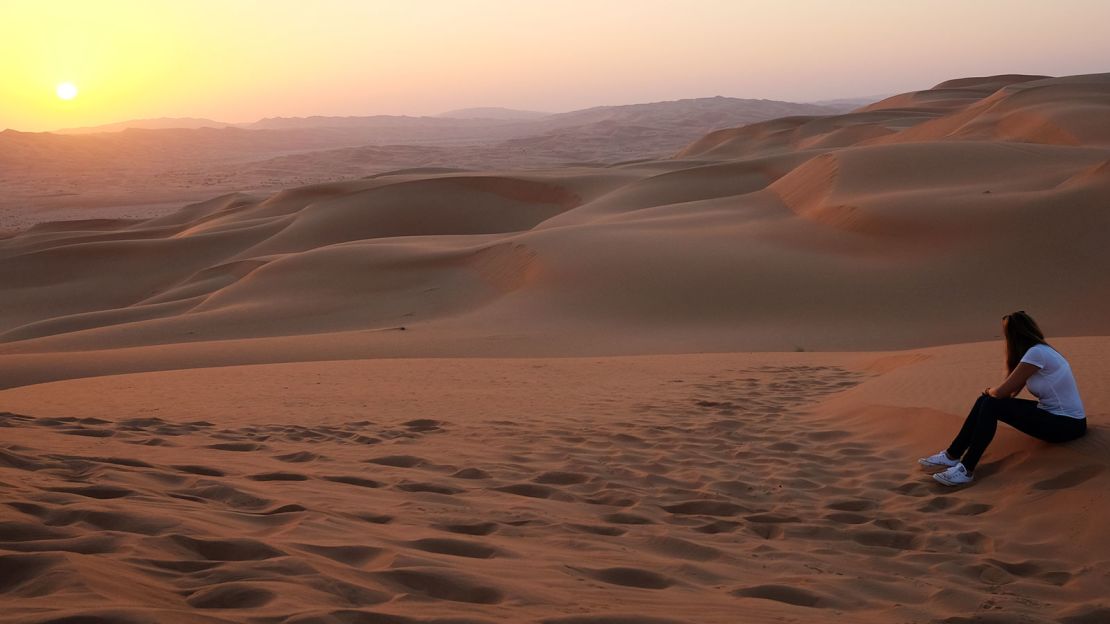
[(251, 60), (244, 122)]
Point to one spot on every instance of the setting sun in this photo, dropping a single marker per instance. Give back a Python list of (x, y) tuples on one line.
[(66, 91)]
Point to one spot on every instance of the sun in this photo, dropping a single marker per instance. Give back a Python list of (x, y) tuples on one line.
[(66, 91)]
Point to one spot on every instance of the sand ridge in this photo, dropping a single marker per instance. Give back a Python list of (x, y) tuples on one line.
[(853, 231), (145, 165)]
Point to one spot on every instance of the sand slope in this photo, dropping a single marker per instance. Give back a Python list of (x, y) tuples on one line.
[(697, 488), (854, 231), (137, 171)]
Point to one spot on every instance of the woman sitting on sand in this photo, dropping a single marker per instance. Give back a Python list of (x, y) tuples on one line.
[(1057, 417)]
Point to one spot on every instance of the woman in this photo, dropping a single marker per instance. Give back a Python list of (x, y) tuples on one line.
[(1057, 417)]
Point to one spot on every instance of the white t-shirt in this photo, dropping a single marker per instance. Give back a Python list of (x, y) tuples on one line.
[(1053, 384)]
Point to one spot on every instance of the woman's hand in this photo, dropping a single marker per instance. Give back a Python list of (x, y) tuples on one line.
[(990, 392), (1014, 383)]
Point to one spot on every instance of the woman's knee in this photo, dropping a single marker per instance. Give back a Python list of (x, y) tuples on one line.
[(988, 409), (992, 407)]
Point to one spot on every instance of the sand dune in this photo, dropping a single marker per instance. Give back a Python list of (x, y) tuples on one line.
[(447, 395), (853, 231), (645, 489), (146, 168)]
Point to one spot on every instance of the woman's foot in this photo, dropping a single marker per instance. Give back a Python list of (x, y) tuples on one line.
[(956, 475), (939, 460)]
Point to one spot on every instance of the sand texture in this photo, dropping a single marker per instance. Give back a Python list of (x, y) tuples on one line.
[(698, 488)]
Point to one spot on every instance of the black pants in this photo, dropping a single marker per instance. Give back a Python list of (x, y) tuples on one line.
[(1021, 414)]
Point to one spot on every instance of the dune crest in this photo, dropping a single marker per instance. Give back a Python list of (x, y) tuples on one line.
[(849, 231)]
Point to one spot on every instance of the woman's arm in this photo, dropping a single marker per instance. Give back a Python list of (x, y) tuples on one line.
[(1014, 383)]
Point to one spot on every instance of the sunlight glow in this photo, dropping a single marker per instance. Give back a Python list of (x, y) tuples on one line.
[(66, 91), (243, 60)]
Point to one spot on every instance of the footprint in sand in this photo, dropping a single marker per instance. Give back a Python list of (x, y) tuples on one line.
[(611, 619), (444, 584), (283, 509), (456, 548), (896, 540), (469, 528), (115, 461), (231, 596), (682, 549), (626, 518), (298, 457), (972, 509), (374, 518), (1070, 478), (718, 526), (240, 447), (278, 476), (200, 470), (706, 508), (352, 480), (20, 572), (434, 488), (208, 491), (95, 491), (796, 596), (423, 424), (352, 555), (471, 473), (398, 461), (236, 549), (85, 431), (629, 577), (595, 529), (857, 504), (533, 490), (847, 517), (556, 477)]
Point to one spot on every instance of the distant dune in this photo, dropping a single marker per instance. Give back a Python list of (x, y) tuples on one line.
[(844, 105), (492, 112), (711, 110), (148, 124), (827, 232), (374, 121), (136, 171)]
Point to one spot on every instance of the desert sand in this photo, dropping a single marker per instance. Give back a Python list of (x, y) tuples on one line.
[(684, 389), (687, 488), (148, 168)]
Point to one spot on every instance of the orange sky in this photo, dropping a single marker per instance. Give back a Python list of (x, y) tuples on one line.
[(240, 60)]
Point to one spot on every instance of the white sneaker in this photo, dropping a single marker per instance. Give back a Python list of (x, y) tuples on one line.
[(956, 475), (939, 460)]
